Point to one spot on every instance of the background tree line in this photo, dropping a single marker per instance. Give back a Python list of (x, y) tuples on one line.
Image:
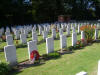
[(16, 12)]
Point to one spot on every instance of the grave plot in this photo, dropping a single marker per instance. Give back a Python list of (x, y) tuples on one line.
[(51, 45)]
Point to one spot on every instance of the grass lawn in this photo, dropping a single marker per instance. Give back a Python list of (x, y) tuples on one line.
[(85, 59)]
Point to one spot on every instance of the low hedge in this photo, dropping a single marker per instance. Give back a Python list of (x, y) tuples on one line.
[(51, 56)]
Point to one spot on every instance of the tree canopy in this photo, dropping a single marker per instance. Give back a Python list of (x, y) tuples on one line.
[(16, 12)]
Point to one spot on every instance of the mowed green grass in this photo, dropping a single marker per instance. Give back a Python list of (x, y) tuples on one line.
[(85, 59)]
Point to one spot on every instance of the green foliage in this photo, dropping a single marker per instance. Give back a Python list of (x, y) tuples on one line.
[(89, 32), (4, 69), (77, 46), (51, 55), (46, 11), (70, 48), (21, 46)]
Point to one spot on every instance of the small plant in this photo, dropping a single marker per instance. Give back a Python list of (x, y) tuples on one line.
[(75, 47), (4, 69), (78, 45), (70, 48)]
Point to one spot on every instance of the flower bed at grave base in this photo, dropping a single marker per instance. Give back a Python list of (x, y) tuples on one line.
[(88, 32), (89, 37), (80, 44)]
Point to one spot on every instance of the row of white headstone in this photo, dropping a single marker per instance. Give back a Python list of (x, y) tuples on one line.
[(10, 49), (23, 37), (25, 30), (49, 42)]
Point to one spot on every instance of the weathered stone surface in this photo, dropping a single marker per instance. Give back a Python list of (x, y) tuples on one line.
[(10, 54), (49, 45)]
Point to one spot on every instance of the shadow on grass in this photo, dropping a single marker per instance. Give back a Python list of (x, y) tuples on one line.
[(67, 53), (23, 65), (57, 38), (68, 35), (63, 52), (97, 41), (27, 64), (80, 48), (15, 72)]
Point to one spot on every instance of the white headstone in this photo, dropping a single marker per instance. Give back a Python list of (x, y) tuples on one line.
[(34, 29), (78, 28), (10, 54), (1, 32), (47, 29), (45, 35), (34, 36), (9, 40), (73, 29), (49, 45), (63, 27), (75, 25), (74, 39), (68, 30), (60, 32), (98, 73), (31, 47), (96, 34), (63, 41), (23, 38), (58, 27), (40, 30), (26, 32), (82, 35), (82, 73), (53, 33), (22, 30), (7, 33), (44, 28), (7, 29), (17, 34)]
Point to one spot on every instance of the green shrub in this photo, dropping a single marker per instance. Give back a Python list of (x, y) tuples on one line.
[(70, 48), (4, 69), (51, 55), (21, 46), (75, 47)]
